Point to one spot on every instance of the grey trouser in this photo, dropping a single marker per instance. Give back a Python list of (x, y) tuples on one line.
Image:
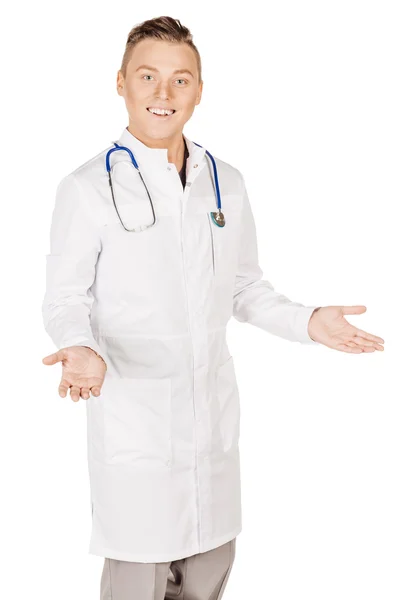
[(198, 577)]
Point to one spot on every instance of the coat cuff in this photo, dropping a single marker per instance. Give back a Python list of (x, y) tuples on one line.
[(303, 318), (89, 342)]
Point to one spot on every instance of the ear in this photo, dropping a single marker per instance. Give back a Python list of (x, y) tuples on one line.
[(199, 93), (120, 83)]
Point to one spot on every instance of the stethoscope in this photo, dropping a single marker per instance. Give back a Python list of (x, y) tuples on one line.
[(217, 217)]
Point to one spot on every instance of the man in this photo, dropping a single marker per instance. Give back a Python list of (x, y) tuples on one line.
[(144, 274)]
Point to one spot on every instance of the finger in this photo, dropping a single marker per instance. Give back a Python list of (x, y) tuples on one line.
[(353, 310), (95, 390), (369, 336), (362, 341), (63, 388), (352, 344), (359, 348), (371, 345), (374, 347), (366, 343), (75, 392), (85, 393), (347, 348), (52, 359)]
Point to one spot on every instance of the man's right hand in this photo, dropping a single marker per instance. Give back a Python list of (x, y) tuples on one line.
[(82, 371)]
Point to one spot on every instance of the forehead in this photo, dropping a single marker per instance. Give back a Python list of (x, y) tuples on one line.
[(163, 55)]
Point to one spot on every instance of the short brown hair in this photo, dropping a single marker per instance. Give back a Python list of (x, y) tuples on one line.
[(160, 28)]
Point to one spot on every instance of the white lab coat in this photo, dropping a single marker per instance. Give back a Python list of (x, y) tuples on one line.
[(163, 436)]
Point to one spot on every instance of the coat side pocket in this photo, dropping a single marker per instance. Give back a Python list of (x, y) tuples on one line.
[(229, 405), (137, 421)]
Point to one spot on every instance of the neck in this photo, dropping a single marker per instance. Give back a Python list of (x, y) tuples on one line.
[(175, 145)]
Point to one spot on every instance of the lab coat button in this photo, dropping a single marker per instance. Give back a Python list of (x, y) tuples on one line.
[(194, 166)]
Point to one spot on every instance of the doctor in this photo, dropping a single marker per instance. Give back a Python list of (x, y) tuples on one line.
[(142, 279)]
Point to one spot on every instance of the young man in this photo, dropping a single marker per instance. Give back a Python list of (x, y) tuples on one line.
[(146, 268)]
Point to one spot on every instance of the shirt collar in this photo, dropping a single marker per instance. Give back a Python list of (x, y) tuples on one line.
[(147, 156)]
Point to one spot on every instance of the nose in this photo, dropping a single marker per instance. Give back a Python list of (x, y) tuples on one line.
[(163, 91)]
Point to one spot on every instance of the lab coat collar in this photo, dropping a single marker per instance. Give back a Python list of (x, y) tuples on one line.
[(158, 156)]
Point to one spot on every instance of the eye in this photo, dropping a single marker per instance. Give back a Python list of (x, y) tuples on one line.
[(147, 75), (182, 80)]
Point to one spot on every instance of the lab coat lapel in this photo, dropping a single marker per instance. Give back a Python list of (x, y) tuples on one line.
[(151, 160)]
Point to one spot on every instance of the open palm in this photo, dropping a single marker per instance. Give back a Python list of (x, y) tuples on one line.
[(328, 326), (82, 371)]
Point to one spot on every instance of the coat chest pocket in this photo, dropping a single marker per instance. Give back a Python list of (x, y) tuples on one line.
[(228, 405), (224, 243), (137, 421)]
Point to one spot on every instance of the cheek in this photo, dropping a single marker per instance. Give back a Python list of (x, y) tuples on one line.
[(187, 107), (134, 96)]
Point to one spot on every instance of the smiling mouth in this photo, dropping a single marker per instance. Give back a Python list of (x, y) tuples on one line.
[(162, 115)]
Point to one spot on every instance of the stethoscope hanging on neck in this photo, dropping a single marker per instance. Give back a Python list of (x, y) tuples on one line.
[(108, 167), (217, 217)]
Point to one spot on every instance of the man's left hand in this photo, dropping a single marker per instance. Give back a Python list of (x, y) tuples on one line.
[(328, 326)]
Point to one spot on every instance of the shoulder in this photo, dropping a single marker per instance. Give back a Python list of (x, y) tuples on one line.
[(88, 171), (230, 178), (82, 187), (228, 173)]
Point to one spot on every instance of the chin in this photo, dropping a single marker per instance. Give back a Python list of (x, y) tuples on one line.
[(163, 132)]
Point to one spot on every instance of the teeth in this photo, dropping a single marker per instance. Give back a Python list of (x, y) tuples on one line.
[(160, 111)]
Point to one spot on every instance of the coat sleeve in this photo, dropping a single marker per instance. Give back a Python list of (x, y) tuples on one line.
[(255, 301), (70, 269)]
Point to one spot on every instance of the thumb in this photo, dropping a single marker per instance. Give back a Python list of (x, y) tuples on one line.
[(52, 359), (353, 310)]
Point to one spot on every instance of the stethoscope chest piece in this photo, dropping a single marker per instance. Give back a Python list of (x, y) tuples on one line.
[(218, 218)]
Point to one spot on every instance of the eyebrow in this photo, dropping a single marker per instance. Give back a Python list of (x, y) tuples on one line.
[(149, 68)]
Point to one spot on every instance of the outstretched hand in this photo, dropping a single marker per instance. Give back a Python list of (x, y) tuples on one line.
[(83, 371), (328, 326)]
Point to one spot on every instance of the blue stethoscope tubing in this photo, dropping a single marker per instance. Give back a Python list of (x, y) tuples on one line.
[(217, 217)]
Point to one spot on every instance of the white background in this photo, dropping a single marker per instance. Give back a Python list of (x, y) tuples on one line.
[(303, 98)]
